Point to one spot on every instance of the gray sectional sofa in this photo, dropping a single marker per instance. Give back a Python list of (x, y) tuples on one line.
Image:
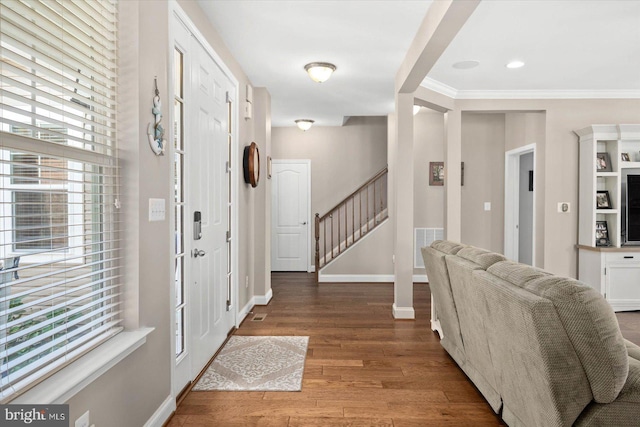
[(543, 350)]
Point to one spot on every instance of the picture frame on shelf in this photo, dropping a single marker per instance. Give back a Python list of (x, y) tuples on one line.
[(603, 201), (602, 234), (625, 157), (603, 162)]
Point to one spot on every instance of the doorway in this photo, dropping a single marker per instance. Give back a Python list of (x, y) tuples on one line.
[(519, 214), (291, 222), (204, 208)]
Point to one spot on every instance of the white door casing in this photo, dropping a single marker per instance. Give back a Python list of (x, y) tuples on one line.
[(512, 202), (291, 222)]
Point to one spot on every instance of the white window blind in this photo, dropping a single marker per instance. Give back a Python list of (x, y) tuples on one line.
[(59, 276)]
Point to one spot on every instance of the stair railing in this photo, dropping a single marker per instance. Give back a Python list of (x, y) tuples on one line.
[(351, 219)]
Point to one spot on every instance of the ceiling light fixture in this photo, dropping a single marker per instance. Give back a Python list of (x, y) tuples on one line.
[(320, 71), (304, 124), (416, 108), (515, 64)]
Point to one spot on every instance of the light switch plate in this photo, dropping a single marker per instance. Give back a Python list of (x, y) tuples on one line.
[(156, 210), (487, 206)]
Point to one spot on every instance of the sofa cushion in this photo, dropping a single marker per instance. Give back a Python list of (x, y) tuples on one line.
[(449, 248), (516, 273), (593, 330), (482, 257), (625, 410)]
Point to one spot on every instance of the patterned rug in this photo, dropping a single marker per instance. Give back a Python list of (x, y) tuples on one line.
[(257, 364)]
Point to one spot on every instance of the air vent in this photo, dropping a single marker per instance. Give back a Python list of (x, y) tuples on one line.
[(424, 237), (259, 317)]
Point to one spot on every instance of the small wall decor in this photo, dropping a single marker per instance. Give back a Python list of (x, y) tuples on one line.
[(251, 164), (155, 131), (436, 173)]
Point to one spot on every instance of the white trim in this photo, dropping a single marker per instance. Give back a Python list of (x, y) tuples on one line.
[(163, 413), (263, 299), (66, 383), (403, 312), (451, 92), (355, 278), (420, 278), (311, 269), (511, 206), (244, 311)]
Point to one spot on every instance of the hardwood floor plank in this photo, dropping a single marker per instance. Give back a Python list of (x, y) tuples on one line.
[(363, 368)]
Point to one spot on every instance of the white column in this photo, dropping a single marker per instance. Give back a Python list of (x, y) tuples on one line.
[(403, 223)]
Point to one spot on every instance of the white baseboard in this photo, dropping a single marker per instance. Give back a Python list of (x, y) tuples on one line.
[(263, 299), (311, 269), (163, 413), (403, 312), (355, 278), (366, 278), (245, 311)]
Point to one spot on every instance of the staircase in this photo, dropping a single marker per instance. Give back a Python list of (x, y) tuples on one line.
[(350, 220)]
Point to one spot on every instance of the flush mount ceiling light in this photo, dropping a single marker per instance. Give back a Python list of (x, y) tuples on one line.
[(465, 65), (304, 124), (416, 108), (515, 64), (320, 71)]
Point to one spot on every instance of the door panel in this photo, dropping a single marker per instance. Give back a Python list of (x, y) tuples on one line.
[(208, 195), (290, 216)]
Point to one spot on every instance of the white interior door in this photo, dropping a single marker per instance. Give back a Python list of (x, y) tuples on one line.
[(210, 195), (290, 215)]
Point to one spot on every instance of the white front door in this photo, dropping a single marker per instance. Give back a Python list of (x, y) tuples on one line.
[(210, 197), (290, 215)]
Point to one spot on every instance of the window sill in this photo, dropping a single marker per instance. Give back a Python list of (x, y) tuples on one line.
[(63, 385)]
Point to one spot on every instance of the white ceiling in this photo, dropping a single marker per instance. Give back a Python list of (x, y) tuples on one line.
[(571, 48)]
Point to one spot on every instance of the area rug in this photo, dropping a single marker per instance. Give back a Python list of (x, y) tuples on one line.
[(257, 364)]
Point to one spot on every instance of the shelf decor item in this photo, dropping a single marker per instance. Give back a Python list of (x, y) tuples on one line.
[(602, 234), (603, 201), (155, 131), (603, 162), (625, 157)]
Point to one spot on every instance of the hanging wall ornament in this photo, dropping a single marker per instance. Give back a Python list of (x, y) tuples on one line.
[(155, 131)]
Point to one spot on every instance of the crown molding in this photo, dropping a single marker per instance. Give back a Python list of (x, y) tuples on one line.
[(446, 90)]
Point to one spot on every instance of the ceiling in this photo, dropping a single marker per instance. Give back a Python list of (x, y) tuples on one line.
[(570, 49)]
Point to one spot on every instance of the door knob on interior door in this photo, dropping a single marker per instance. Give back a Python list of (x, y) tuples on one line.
[(303, 223), (196, 253)]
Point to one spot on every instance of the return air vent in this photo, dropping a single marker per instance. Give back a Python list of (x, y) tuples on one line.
[(424, 237)]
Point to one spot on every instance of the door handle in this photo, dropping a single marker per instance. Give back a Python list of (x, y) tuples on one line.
[(196, 253), (303, 223)]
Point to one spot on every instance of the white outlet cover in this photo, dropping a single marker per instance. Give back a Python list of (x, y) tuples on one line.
[(564, 207), (83, 420), (487, 206)]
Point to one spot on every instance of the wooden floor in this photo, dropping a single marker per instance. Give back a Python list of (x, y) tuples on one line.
[(363, 368)]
